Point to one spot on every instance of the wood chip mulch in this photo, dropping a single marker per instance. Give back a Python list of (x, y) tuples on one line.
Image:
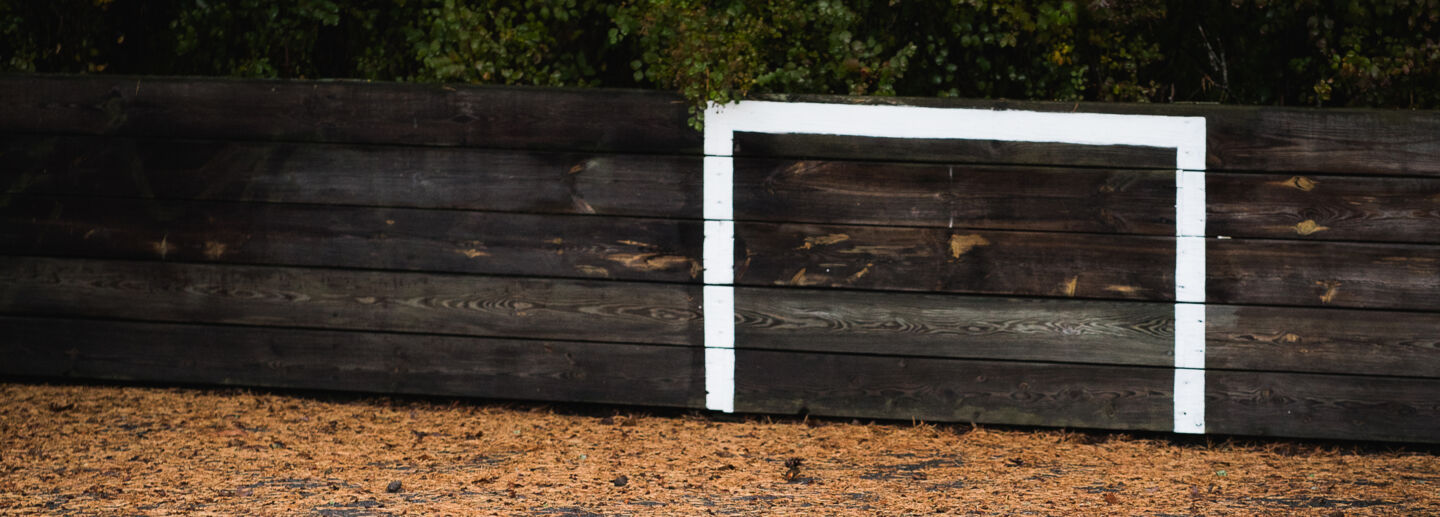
[(118, 450)]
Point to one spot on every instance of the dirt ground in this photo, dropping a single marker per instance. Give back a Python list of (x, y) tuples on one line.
[(116, 450)]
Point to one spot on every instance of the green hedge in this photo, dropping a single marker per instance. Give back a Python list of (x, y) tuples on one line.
[(1305, 52)]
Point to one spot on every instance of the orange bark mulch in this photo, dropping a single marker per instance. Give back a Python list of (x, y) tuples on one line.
[(114, 450)]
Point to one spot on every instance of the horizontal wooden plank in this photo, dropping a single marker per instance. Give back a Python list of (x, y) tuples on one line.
[(420, 177), (959, 260), (1323, 340), (1293, 339), (971, 196), (953, 390), (1332, 274), (966, 196), (1353, 208), (354, 361), (1239, 271), (349, 112), (1322, 406), (1241, 138), (1348, 141), (934, 325), (833, 147), (356, 300), (382, 238)]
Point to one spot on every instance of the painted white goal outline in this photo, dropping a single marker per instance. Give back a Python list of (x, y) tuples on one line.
[(1184, 134)]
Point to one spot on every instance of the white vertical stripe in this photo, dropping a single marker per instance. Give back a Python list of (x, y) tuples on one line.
[(720, 379), (720, 330), (1189, 203), (719, 253), (1190, 143), (719, 308), (1190, 269), (1190, 335), (1189, 401), (719, 195), (719, 136), (718, 261)]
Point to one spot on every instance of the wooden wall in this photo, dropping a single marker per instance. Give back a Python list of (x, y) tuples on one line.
[(546, 244)]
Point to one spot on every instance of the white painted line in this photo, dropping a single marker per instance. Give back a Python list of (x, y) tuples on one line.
[(1190, 336), (720, 379), (1189, 401), (1187, 135), (719, 195), (719, 331), (719, 301), (1189, 203), (718, 251), (1190, 269)]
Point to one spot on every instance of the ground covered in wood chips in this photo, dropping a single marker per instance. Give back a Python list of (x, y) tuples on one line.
[(116, 450)]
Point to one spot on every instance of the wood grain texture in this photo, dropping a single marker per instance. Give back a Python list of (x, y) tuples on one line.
[(419, 177), (1025, 198), (349, 112), (937, 150), (966, 196), (1327, 274), (1239, 271), (353, 300), (958, 260), (1292, 339), (353, 361), (380, 238), (933, 325), (953, 390), (1347, 141), (1322, 406), (1323, 341), (1351, 208), (1241, 138)]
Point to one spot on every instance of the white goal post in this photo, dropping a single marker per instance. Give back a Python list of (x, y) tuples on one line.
[(1184, 134)]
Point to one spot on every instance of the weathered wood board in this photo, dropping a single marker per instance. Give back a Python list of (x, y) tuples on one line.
[(355, 361), (354, 237), (348, 112), (532, 308), (343, 174)]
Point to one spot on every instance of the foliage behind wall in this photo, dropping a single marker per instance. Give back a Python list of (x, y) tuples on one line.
[(1306, 52)]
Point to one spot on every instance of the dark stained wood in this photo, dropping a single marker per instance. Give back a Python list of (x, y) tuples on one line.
[(1322, 406), (1347, 141), (1323, 340), (1241, 138), (1239, 271), (354, 300), (958, 260), (805, 146), (1298, 206), (953, 390), (421, 177), (933, 325), (1329, 274), (1293, 339), (383, 238), (966, 196), (350, 112), (1052, 199), (354, 361)]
